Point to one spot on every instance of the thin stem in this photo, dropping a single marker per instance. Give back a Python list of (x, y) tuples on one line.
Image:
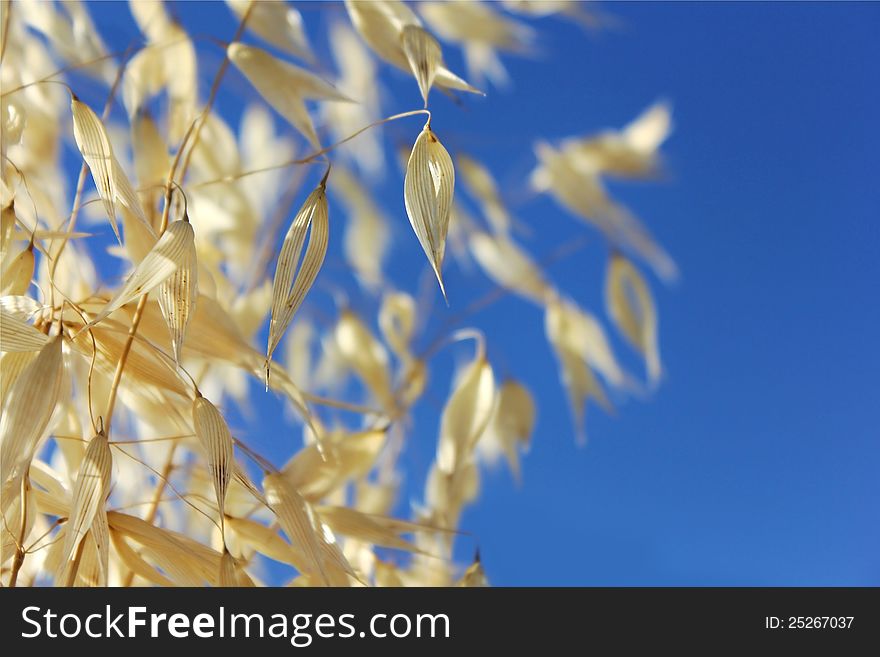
[(46, 80), (123, 357), (30, 549), (309, 159), (259, 460), (341, 405), (139, 441), (91, 362), (17, 562)]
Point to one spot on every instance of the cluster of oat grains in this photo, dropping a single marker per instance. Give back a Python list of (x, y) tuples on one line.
[(118, 465)]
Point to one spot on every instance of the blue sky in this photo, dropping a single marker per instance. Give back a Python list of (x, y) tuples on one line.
[(757, 460)]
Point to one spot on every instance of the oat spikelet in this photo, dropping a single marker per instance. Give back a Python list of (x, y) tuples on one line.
[(112, 184), (136, 563), (265, 541), (168, 63), (28, 408), (213, 434), (508, 265), (298, 521), (630, 305), (466, 414), (630, 153), (277, 23), (381, 24), (166, 257), (89, 493), (576, 183), (481, 31), (18, 335), (284, 86), (566, 334), (364, 527), (16, 276), (427, 193), (397, 317), (177, 298), (424, 56), (185, 561), (289, 288), (8, 219), (582, 331), (480, 183), (347, 456), (511, 426), (474, 576), (365, 356)]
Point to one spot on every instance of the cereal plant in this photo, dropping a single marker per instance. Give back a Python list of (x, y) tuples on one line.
[(121, 464)]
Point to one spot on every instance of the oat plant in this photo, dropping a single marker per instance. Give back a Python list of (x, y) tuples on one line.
[(120, 463)]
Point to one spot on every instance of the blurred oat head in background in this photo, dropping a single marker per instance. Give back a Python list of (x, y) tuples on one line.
[(120, 465)]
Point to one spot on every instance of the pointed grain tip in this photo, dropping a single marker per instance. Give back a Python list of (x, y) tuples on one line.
[(442, 285), (443, 291)]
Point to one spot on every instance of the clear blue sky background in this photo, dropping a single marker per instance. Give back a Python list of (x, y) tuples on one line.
[(757, 461)]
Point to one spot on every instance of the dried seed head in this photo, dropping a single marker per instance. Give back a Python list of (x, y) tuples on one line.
[(173, 251), (18, 273), (277, 23), (284, 86), (630, 305), (18, 335), (382, 25), (481, 184), (424, 56), (177, 298), (89, 494), (365, 356), (466, 415), (298, 521), (215, 438), (112, 184), (509, 265), (28, 408), (293, 279), (511, 426), (570, 337), (427, 193)]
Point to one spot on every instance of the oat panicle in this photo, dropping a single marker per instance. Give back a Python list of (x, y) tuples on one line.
[(252, 261)]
